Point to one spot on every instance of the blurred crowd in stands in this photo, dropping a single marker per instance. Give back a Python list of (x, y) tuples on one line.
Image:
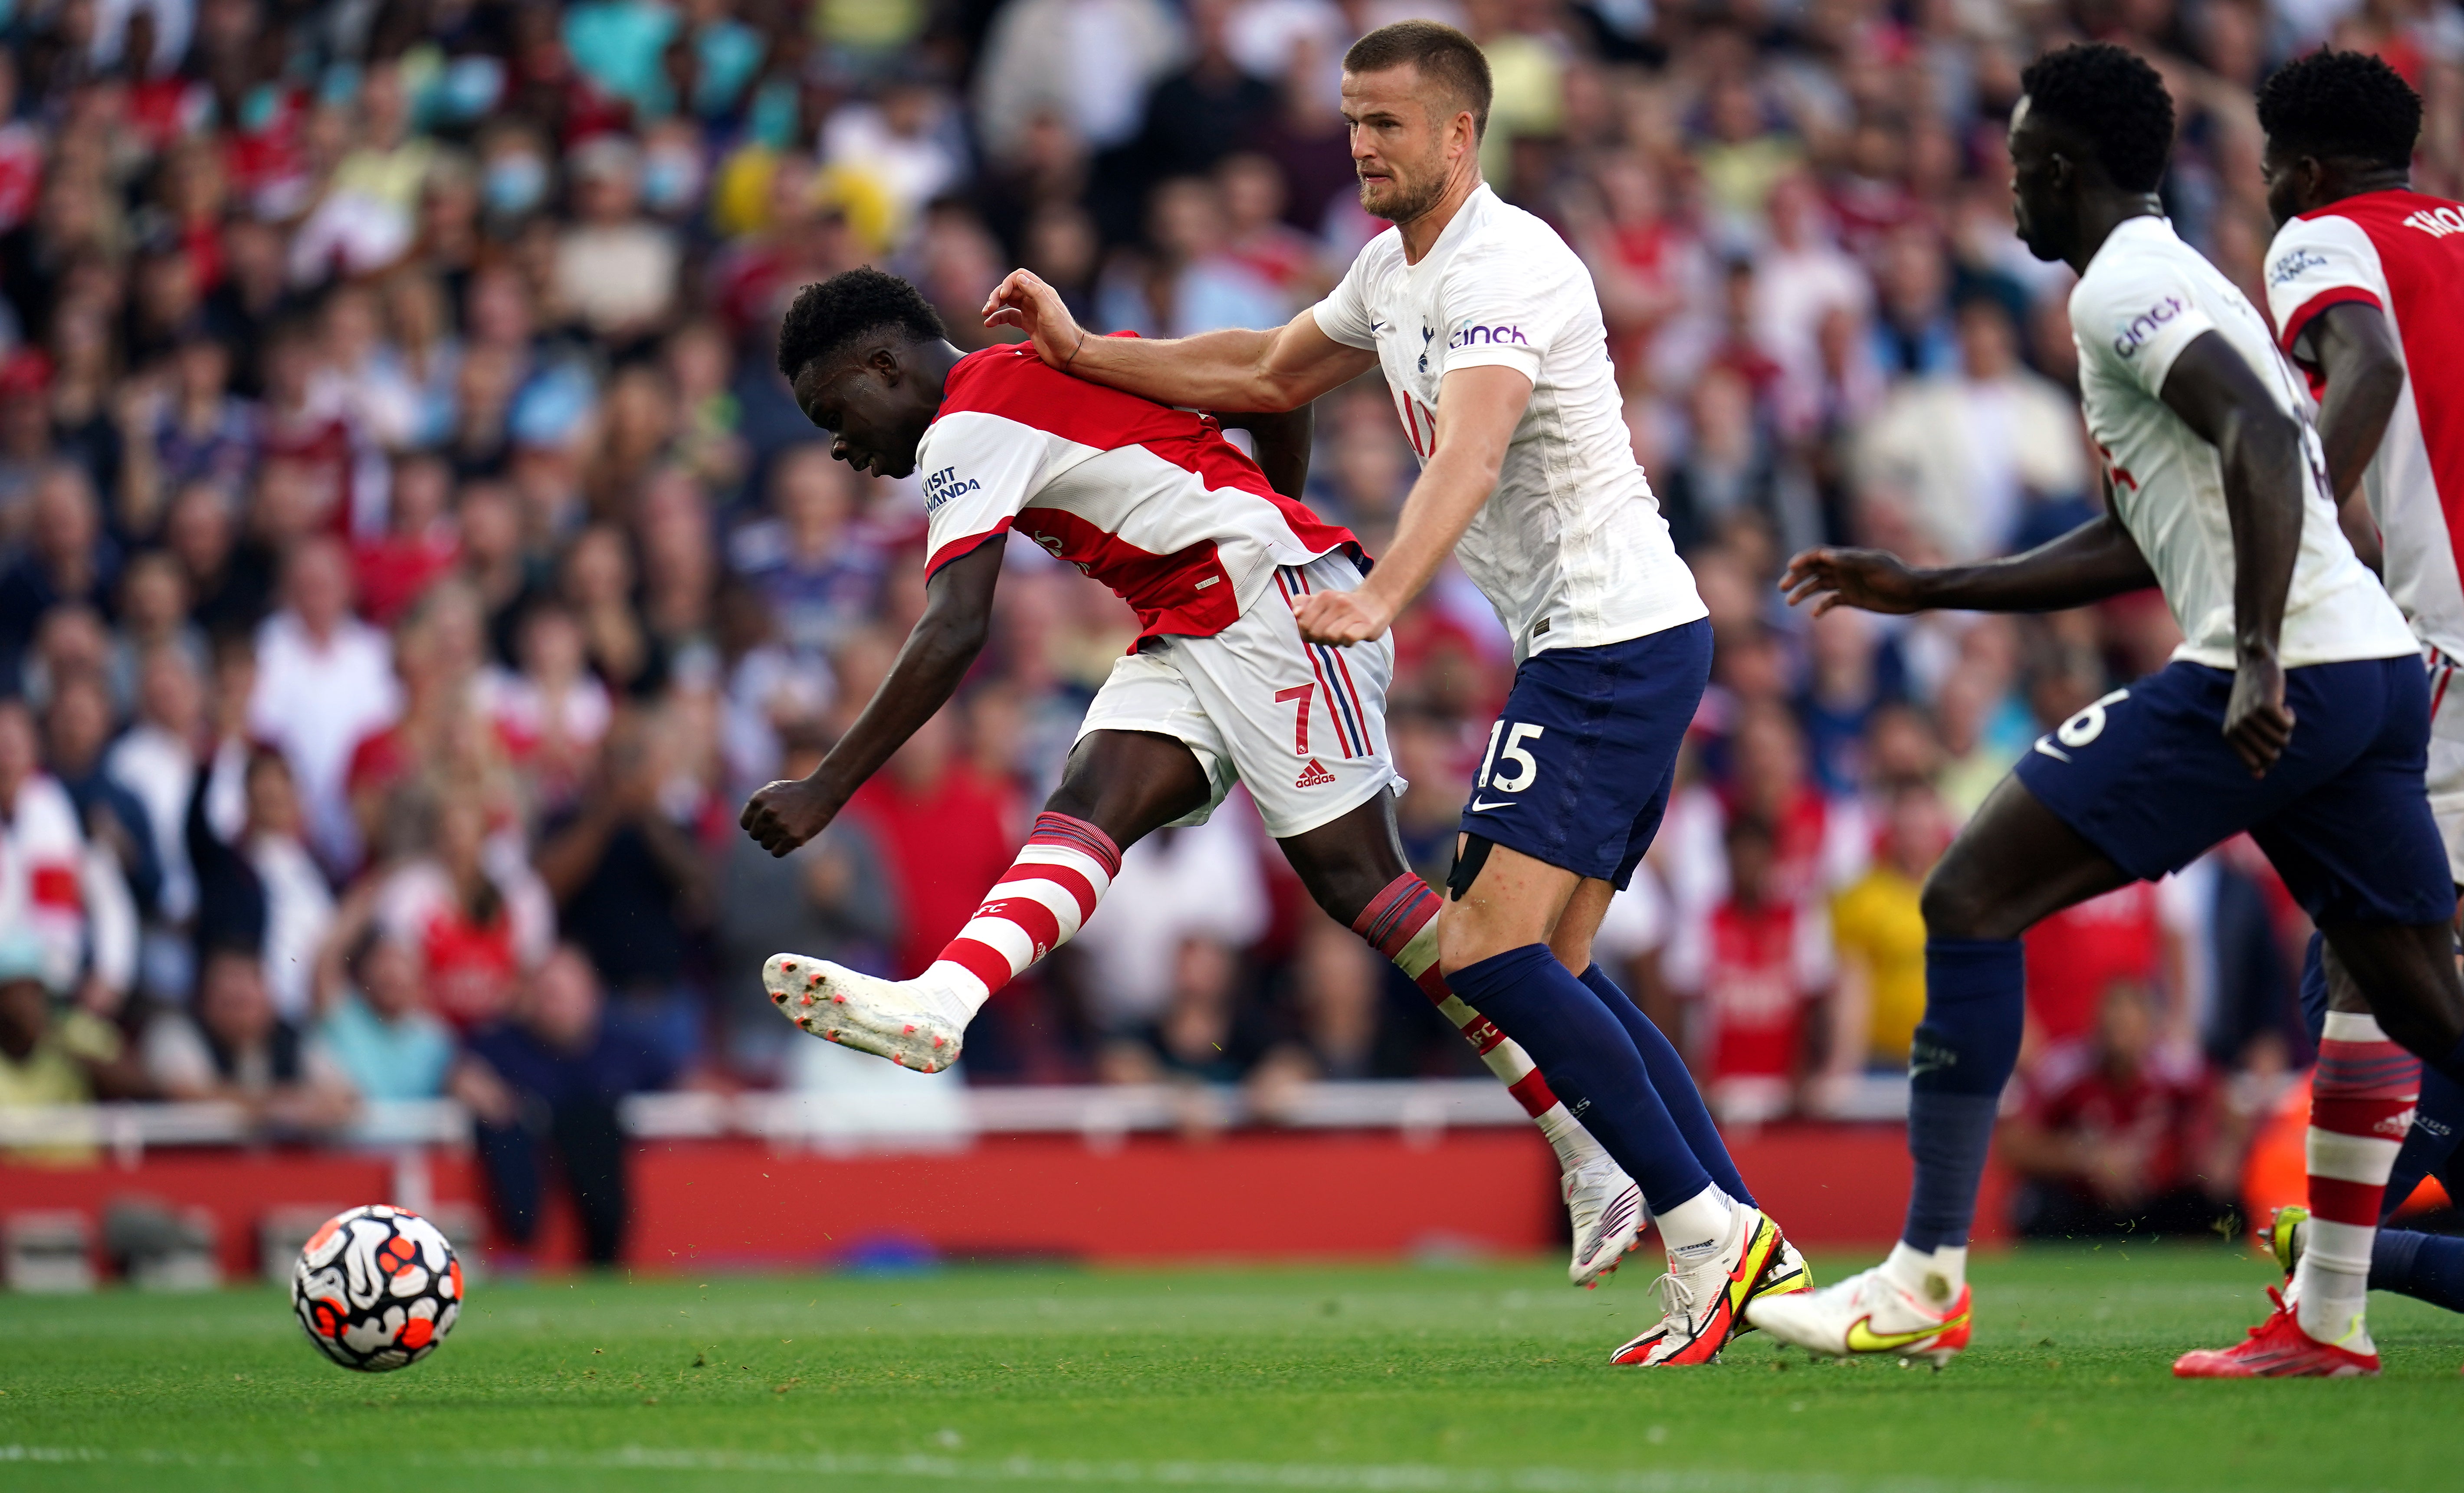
[(410, 557)]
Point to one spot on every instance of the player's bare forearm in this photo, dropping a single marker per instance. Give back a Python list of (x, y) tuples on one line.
[(1234, 369), (957, 619), (1212, 370), (2092, 562), (1478, 411), (2262, 459), (2265, 469), (1441, 506), (2355, 351), (1282, 441), (2220, 398)]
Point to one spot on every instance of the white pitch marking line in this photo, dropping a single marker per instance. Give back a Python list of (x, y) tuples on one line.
[(1314, 1478)]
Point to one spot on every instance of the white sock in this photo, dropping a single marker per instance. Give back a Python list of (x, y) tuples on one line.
[(2330, 1295), (2363, 1095), (1039, 904), (1950, 1262), (1573, 1145), (1698, 1224), (1934, 1276)]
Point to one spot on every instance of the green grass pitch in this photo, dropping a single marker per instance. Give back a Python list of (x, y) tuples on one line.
[(1425, 1379)]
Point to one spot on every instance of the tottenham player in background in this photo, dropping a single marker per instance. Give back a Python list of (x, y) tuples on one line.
[(1212, 551), (2365, 284), (2295, 708), (1488, 332)]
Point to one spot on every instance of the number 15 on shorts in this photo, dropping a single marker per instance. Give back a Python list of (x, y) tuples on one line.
[(1508, 766)]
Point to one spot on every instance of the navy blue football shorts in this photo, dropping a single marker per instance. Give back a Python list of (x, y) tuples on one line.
[(1579, 764), (2146, 777)]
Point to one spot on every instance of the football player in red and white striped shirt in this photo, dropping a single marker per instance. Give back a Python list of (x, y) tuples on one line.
[(2366, 285), (1219, 688)]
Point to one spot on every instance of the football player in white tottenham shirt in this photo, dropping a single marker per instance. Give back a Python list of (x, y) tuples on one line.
[(2295, 709), (2365, 284), (1488, 332)]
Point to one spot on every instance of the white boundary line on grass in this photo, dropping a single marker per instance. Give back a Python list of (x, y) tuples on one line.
[(1305, 1477)]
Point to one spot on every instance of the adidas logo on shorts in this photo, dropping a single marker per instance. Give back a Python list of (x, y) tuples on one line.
[(1313, 776)]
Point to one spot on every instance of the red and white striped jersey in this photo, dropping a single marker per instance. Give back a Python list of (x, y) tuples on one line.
[(1151, 500), (2404, 254)]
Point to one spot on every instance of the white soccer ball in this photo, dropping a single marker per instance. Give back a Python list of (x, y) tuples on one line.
[(377, 1289)]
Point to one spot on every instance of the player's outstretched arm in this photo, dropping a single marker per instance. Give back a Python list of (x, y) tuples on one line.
[(1283, 440), (2353, 348), (2218, 394), (957, 615), (2097, 559), (1237, 369), (1478, 408)]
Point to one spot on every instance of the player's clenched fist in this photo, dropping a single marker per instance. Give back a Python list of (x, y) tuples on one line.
[(1872, 580), (1341, 618), (1025, 302), (785, 814)]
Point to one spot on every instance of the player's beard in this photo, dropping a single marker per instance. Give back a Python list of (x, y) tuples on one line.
[(1399, 203)]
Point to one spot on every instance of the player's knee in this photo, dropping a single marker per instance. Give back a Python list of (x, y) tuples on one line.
[(1952, 907), (2406, 979), (2424, 1016), (1465, 938), (1573, 951)]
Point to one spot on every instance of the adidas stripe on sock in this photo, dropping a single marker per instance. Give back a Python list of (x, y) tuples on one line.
[(1401, 923), (2362, 1099), (1039, 904)]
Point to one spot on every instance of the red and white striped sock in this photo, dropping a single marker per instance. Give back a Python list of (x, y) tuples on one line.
[(1401, 923), (1039, 904), (2362, 1099)]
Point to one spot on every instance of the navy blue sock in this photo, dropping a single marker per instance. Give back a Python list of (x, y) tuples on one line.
[(1674, 1084), (1976, 992), (1590, 1063), (2437, 1122), (2313, 986), (2424, 1267)]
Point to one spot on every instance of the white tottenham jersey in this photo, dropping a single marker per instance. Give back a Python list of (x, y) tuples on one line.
[(1570, 549), (2146, 296), (2403, 254)]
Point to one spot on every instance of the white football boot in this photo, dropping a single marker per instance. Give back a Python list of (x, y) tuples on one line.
[(1786, 1275), (1871, 1314), (1608, 1216), (1702, 1299), (885, 1018)]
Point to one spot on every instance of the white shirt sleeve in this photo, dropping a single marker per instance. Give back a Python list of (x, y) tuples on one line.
[(2316, 263), (2135, 316), (979, 469), (1344, 315), (1504, 314)]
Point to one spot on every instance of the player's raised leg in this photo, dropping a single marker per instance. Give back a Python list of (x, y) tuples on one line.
[(1118, 787)]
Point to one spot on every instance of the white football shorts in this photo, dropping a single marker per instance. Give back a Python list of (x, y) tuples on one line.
[(1302, 725)]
